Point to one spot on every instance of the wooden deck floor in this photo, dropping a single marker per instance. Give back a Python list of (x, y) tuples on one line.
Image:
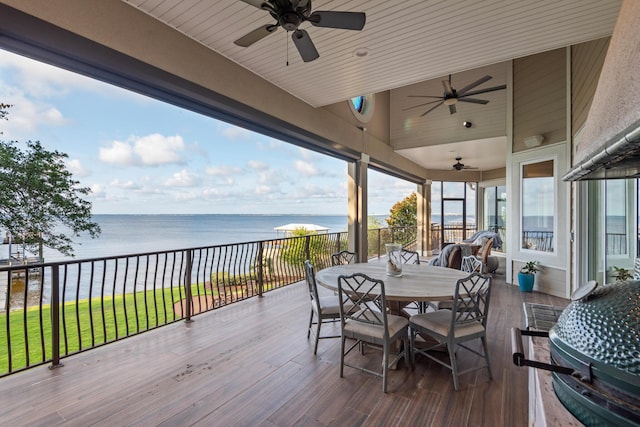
[(250, 364)]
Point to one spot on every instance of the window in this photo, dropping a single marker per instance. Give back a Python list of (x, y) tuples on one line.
[(538, 206), (362, 107), (453, 212), (358, 103)]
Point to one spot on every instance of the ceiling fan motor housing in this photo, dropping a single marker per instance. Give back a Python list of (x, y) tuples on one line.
[(290, 21)]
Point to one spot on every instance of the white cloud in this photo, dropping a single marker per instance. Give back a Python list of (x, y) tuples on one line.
[(258, 166), (26, 115), (224, 171), (156, 149), (305, 168), (127, 185), (185, 196), (149, 150), (98, 191), (75, 167), (235, 133), (183, 179), (262, 189), (120, 153)]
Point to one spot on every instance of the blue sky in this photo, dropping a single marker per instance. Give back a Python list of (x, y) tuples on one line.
[(139, 155)]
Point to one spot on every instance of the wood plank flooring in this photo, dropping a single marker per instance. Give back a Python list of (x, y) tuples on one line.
[(250, 364)]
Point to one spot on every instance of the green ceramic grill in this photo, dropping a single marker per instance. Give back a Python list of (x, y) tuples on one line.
[(595, 355)]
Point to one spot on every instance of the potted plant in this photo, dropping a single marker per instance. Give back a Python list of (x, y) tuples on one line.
[(527, 275), (621, 274)]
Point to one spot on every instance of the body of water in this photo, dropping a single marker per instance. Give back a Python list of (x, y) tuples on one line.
[(129, 234)]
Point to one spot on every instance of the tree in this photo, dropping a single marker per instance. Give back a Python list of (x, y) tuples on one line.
[(40, 201), (403, 218)]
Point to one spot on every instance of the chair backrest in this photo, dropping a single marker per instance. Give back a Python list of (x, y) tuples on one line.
[(471, 300), (344, 257), (409, 257), (471, 264), (310, 276), (368, 295), (486, 251), (455, 258)]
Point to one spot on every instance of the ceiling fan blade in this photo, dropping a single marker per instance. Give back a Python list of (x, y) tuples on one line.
[(423, 96), (474, 100), (474, 84), (305, 46), (343, 20), (419, 105), (452, 109), (448, 90), (489, 89), (256, 35), (432, 108)]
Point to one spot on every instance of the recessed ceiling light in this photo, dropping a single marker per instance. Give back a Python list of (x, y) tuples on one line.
[(361, 52)]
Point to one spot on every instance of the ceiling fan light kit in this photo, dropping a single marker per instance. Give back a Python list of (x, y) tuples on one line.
[(290, 14)]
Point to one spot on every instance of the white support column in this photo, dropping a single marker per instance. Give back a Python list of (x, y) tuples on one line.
[(357, 209), (423, 237)]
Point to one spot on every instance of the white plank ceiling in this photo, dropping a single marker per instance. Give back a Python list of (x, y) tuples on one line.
[(408, 42)]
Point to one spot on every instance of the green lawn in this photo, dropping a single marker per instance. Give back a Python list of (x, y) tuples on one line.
[(89, 323)]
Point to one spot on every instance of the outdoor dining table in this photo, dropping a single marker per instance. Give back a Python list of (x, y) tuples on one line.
[(419, 282)]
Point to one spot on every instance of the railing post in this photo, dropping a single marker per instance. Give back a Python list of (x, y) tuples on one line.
[(187, 286), (307, 242), (55, 317), (379, 241), (260, 268)]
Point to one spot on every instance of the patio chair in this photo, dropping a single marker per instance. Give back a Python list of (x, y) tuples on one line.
[(409, 257), (412, 257), (469, 264), (489, 262), (344, 257), (370, 324), (324, 309), (467, 321)]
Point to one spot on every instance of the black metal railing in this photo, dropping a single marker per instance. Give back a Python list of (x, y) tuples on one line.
[(378, 237), (449, 234), (52, 310), (538, 240)]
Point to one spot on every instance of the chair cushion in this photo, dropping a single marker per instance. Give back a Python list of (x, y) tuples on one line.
[(331, 305), (440, 322), (396, 324)]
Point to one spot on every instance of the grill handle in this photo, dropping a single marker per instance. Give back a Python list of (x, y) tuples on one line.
[(518, 353)]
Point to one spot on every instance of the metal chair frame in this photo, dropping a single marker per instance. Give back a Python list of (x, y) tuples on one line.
[(344, 257), (370, 324), (409, 257), (471, 264), (318, 305), (465, 322)]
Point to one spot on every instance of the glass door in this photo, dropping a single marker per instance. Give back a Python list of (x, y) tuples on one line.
[(454, 221)]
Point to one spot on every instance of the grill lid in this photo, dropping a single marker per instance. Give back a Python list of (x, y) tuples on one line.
[(605, 327)]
